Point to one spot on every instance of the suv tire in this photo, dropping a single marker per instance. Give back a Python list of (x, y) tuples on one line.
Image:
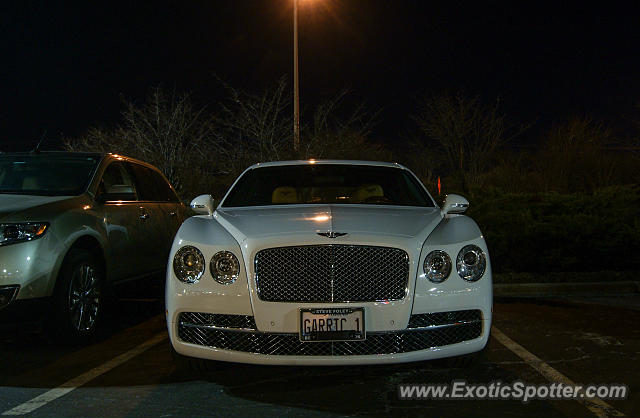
[(78, 298)]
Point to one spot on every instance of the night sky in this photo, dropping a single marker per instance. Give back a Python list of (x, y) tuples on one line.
[(65, 67)]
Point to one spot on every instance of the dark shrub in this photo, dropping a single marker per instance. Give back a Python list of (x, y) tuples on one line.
[(596, 231)]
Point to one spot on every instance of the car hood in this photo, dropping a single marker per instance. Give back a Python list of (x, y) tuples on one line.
[(256, 229), (309, 220), (14, 204)]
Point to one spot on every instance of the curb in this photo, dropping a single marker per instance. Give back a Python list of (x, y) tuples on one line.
[(564, 289)]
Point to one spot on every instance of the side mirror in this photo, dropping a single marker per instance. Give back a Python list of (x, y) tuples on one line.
[(118, 192), (454, 204), (203, 204)]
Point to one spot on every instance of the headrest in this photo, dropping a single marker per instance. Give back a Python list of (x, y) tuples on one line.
[(368, 190), (284, 194), (119, 188)]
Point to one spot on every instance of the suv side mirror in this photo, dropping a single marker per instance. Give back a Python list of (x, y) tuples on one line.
[(118, 192), (454, 204), (203, 204)]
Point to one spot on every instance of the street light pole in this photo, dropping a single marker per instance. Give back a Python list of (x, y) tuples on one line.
[(296, 84)]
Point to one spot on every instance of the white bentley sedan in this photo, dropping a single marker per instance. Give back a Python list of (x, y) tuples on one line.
[(325, 263)]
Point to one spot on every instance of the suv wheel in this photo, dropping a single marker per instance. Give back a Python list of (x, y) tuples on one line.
[(78, 297)]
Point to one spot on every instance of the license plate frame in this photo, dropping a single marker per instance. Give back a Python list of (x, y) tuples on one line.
[(342, 316)]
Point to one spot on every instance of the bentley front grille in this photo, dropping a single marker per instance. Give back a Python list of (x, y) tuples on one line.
[(467, 325), (331, 273)]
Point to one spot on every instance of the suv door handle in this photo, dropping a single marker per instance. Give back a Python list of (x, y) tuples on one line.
[(143, 213)]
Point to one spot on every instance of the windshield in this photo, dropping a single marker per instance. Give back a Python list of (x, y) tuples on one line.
[(327, 183), (46, 174)]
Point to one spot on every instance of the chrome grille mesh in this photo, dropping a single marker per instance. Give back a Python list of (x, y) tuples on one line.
[(218, 320), (376, 343), (443, 318), (331, 273)]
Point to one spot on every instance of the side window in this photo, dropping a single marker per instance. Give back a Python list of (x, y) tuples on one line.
[(151, 185), (165, 192), (117, 182)]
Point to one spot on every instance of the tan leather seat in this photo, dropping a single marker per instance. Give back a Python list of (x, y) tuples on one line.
[(366, 191), (284, 195)]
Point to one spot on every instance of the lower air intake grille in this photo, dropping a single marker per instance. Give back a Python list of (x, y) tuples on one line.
[(218, 320), (412, 339), (444, 318)]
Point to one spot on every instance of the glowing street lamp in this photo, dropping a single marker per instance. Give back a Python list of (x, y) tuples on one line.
[(296, 84)]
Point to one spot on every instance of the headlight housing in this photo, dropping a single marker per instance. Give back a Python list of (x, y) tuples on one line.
[(19, 232), (437, 266), (188, 264), (471, 263), (224, 267)]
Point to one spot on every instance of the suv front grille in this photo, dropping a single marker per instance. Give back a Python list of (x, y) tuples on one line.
[(331, 273)]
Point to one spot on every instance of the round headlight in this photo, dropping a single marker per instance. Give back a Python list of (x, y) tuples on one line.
[(437, 266), (224, 267), (188, 264), (471, 263)]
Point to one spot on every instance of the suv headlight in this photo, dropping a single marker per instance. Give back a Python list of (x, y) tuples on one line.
[(188, 264), (471, 263), (437, 266), (13, 233), (224, 267)]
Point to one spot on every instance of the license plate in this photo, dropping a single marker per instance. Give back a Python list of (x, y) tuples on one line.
[(332, 324)]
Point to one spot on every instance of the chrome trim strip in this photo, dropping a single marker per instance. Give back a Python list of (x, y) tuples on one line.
[(189, 325), (453, 324), (255, 331)]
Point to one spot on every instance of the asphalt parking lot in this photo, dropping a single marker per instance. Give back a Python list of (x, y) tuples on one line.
[(129, 370)]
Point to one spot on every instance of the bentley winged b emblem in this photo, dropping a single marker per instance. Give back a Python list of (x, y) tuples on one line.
[(331, 234)]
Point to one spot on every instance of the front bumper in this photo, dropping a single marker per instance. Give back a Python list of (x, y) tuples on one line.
[(235, 338), (23, 311), (31, 265), (271, 335)]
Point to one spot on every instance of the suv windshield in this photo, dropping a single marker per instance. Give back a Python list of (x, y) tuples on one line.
[(327, 183), (46, 174)]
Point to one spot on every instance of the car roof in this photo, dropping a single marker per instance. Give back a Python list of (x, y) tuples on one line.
[(101, 155), (312, 161), (70, 153)]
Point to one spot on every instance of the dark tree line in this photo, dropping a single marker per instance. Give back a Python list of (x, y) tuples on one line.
[(461, 139)]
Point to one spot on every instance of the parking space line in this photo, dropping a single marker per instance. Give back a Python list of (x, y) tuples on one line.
[(599, 407), (84, 378)]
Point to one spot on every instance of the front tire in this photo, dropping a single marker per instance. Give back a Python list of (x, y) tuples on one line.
[(78, 298)]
